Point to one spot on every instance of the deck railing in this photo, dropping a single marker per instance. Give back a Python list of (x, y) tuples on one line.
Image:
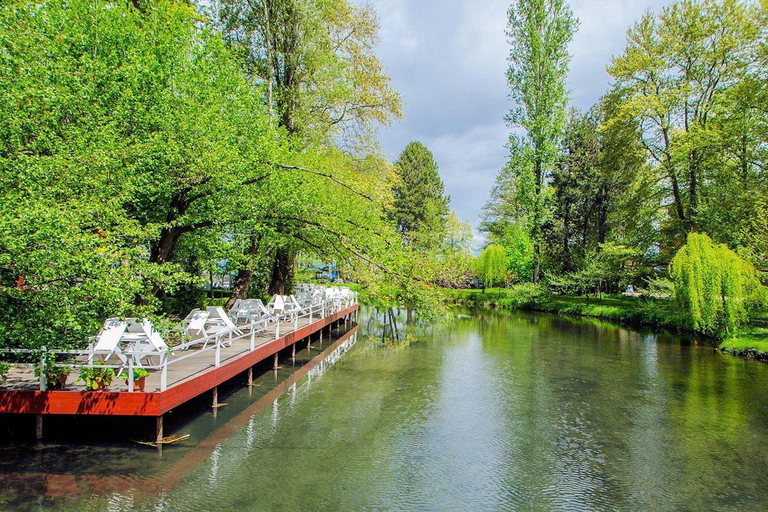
[(215, 343)]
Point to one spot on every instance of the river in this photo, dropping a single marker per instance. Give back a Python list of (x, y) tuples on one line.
[(489, 412)]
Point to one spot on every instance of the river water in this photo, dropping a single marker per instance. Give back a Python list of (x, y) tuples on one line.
[(489, 412)]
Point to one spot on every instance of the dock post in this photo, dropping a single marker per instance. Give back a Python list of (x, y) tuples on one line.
[(43, 380), (215, 401), (275, 363), (164, 371), (130, 374), (293, 353), (39, 427), (159, 429), (250, 377)]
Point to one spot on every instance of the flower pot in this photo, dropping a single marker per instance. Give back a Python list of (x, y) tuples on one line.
[(138, 384), (56, 382)]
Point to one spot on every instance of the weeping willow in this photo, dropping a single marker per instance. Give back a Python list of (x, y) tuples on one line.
[(714, 285)]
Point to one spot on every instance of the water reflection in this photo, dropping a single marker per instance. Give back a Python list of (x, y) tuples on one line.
[(490, 412)]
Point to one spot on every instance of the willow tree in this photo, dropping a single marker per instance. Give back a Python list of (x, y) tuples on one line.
[(714, 285), (539, 32), (491, 266), (323, 81)]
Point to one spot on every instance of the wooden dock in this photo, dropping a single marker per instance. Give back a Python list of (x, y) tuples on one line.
[(193, 375)]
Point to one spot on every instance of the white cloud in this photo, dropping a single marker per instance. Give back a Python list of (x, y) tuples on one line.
[(448, 59)]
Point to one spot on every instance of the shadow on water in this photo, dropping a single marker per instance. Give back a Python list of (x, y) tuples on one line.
[(83, 456)]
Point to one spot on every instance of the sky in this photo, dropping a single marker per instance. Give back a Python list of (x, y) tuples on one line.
[(448, 60)]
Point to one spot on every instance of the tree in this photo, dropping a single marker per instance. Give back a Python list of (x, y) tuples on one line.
[(580, 194), (492, 266), (677, 76), (99, 106), (714, 285), (420, 207), (316, 58), (519, 253), (539, 32), (454, 255), (606, 266), (323, 82)]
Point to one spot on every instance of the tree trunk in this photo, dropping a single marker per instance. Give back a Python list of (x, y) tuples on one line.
[(244, 275), (602, 215), (693, 175), (282, 272), (567, 238), (163, 250), (537, 217)]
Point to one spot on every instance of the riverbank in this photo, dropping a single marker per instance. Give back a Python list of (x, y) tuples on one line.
[(752, 342)]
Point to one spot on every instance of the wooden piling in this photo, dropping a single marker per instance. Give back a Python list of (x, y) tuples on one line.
[(159, 429), (39, 427)]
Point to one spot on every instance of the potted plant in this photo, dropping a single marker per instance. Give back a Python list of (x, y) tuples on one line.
[(55, 376), (4, 369), (97, 377), (139, 378)]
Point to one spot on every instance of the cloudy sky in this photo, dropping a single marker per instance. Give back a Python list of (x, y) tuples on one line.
[(448, 59)]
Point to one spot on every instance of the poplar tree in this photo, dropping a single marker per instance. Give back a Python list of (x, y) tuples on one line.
[(539, 32)]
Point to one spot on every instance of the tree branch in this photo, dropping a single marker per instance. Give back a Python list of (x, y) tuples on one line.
[(324, 175)]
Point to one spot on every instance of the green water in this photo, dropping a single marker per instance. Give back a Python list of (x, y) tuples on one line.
[(516, 412)]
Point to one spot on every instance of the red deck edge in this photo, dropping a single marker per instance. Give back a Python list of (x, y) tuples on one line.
[(156, 403)]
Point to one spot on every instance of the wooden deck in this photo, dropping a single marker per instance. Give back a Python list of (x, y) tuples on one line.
[(191, 376)]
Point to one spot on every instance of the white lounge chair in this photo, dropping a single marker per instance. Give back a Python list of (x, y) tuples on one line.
[(219, 323), (142, 340), (195, 321), (276, 306), (248, 312), (107, 342)]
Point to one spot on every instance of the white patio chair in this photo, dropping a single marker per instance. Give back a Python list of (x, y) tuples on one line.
[(218, 322), (276, 306), (143, 340), (195, 321), (107, 342)]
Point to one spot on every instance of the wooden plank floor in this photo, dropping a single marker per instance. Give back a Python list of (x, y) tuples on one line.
[(188, 378)]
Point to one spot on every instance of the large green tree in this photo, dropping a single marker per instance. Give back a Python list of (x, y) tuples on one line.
[(686, 78), (113, 145), (324, 84), (539, 32), (420, 205)]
